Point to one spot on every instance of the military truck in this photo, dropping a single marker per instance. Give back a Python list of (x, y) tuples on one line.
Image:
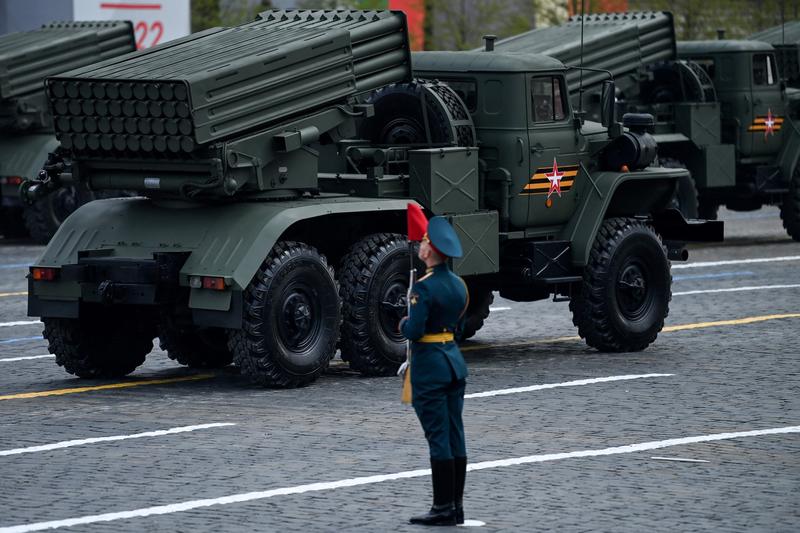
[(26, 126), (720, 107), (276, 160)]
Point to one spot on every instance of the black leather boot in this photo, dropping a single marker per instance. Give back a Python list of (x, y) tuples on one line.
[(459, 475), (443, 512)]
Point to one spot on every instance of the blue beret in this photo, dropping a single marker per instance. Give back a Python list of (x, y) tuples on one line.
[(443, 237)]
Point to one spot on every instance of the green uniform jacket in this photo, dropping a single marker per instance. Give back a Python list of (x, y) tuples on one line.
[(438, 302)]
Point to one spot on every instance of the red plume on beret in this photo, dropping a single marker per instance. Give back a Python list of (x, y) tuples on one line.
[(417, 223)]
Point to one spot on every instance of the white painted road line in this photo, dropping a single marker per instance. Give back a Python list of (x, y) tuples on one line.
[(493, 309), (114, 438), (25, 358), (576, 383), (19, 323), (368, 480), (737, 289), (679, 460), (701, 264)]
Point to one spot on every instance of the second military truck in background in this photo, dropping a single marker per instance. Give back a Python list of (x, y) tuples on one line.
[(276, 160), (721, 108), (27, 132)]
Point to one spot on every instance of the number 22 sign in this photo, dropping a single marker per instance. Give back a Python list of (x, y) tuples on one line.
[(154, 22)]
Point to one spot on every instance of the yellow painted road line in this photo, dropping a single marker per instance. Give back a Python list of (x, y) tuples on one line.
[(127, 384), (123, 385), (7, 294), (668, 329), (520, 343), (734, 322)]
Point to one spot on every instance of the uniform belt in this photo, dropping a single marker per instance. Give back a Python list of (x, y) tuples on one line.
[(447, 336)]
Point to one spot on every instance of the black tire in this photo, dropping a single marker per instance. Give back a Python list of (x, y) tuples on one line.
[(12, 223), (44, 217), (685, 199), (99, 344), (398, 117), (480, 299), (707, 209), (291, 319), (624, 298), (373, 284), (790, 207), (193, 346)]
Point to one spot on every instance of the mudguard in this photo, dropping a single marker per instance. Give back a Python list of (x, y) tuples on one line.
[(225, 240), (24, 155), (616, 194)]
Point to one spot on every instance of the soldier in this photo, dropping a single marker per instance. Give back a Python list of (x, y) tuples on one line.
[(438, 371)]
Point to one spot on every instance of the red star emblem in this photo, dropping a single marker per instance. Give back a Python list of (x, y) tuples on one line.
[(555, 180), (770, 124)]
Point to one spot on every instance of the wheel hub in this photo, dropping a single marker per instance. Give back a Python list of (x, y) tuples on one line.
[(297, 318), (393, 306), (401, 131), (632, 291)]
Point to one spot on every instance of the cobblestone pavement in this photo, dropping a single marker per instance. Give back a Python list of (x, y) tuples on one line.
[(732, 377)]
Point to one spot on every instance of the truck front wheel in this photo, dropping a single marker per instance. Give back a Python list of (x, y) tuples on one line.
[(374, 283), (99, 344), (685, 199), (624, 298), (480, 300), (291, 319), (790, 207)]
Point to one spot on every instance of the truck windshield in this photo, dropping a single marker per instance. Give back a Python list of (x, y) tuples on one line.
[(764, 69), (547, 100)]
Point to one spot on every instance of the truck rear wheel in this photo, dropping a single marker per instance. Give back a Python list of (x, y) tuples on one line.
[(624, 297), (480, 300), (291, 319), (790, 207), (374, 283), (193, 346), (100, 344)]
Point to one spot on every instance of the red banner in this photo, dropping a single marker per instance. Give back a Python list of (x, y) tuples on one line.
[(415, 13), (597, 6)]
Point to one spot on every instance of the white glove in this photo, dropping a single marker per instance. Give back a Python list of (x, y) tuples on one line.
[(402, 370)]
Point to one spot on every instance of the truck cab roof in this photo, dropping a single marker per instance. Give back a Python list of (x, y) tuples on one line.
[(693, 48), (482, 61)]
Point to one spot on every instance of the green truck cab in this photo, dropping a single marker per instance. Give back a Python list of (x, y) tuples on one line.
[(274, 179), (754, 122)]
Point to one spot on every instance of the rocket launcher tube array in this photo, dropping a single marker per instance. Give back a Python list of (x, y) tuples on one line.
[(224, 83), (616, 42)]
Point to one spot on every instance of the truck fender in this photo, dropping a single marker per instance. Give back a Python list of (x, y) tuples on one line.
[(227, 240), (607, 194)]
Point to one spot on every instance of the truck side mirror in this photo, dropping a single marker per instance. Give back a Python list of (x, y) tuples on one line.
[(608, 109), (607, 103)]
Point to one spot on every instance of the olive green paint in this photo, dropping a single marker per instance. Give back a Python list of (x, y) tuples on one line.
[(225, 240)]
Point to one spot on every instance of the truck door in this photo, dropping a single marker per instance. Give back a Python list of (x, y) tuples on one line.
[(554, 159), (766, 120)]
